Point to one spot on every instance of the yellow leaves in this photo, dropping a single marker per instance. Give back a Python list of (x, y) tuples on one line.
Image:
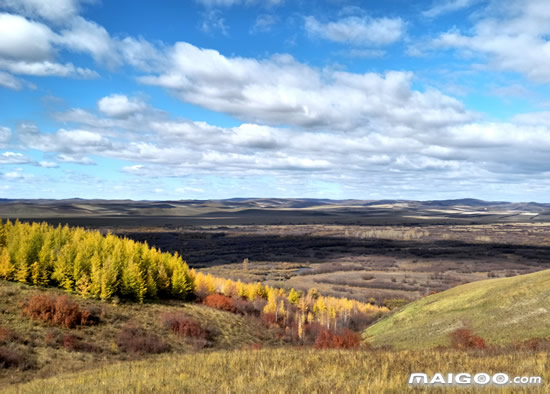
[(6, 267)]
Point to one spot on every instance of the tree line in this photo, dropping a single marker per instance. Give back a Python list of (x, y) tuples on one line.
[(105, 266)]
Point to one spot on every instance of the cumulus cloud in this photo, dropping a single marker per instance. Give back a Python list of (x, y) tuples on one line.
[(21, 39), (52, 10), (358, 30), (120, 106), (89, 37), (280, 90), (13, 158), (28, 47), (513, 36)]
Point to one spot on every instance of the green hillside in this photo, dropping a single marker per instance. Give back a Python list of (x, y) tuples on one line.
[(499, 310)]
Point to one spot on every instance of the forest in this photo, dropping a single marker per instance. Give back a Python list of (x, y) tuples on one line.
[(108, 267)]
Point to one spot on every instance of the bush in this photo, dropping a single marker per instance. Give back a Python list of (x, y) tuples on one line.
[(134, 339), (534, 344), (244, 307), (219, 301), (184, 326), (7, 336), (188, 328), (463, 338), (58, 310), (75, 344), (11, 359), (347, 339)]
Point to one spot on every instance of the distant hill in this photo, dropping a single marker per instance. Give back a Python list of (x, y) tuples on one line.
[(499, 310), (284, 210)]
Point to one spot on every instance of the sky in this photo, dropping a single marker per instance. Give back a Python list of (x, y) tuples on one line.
[(212, 99)]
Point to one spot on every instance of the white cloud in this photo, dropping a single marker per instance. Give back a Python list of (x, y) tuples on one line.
[(264, 23), (48, 164), (229, 3), (10, 82), (213, 20), (280, 90), (88, 37), (17, 175), (120, 106), (46, 68), (52, 10), (512, 37), (13, 158), (135, 169), (5, 135), (21, 39), (75, 159), (447, 6), (29, 48), (185, 190), (358, 30)]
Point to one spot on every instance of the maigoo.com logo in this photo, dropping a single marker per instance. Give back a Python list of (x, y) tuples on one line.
[(465, 379)]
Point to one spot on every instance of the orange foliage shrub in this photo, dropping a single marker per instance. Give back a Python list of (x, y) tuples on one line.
[(345, 340), (463, 338), (60, 311), (219, 301)]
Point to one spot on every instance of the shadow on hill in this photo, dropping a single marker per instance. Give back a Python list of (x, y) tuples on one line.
[(209, 249)]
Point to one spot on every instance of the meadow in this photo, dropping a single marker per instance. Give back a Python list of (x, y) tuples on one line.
[(296, 370)]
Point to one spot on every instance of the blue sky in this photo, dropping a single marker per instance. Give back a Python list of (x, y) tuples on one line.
[(247, 98)]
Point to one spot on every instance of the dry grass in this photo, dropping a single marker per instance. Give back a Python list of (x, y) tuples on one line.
[(293, 371), (52, 349)]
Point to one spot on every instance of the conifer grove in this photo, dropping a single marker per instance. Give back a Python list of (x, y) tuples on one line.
[(105, 266)]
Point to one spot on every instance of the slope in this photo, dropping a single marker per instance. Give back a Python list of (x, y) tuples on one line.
[(501, 311)]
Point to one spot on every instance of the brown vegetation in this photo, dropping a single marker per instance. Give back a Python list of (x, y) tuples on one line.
[(219, 301), (463, 338), (59, 311), (134, 339), (347, 339)]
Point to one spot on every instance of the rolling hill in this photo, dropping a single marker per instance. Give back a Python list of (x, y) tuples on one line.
[(502, 311)]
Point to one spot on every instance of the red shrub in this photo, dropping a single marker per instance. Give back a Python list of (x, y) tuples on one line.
[(184, 326), (219, 301), (463, 338), (347, 339), (7, 336), (61, 311), (133, 338), (269, 318), (75, 344)]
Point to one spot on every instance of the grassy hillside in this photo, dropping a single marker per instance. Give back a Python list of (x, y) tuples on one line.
[(293, 370), (46, 351), (499, 310)]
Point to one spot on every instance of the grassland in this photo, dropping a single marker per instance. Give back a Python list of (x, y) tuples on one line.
[(499, 310), (294, 371)]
